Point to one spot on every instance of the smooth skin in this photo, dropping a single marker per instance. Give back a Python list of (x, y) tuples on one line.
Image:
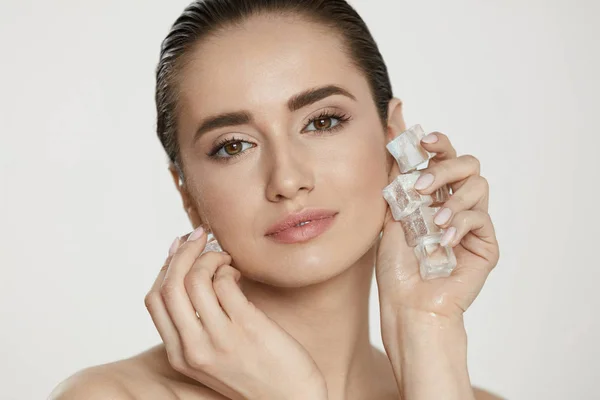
[(291, 321), (232, 347)]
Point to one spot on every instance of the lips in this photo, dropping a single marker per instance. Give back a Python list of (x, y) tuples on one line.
[(298, 218)]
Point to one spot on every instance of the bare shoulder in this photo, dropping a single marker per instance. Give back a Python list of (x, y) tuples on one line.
[(481, 394), (92, 383), (146, 376)]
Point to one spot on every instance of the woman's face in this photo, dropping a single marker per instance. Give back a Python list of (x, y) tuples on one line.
[(282, 160)]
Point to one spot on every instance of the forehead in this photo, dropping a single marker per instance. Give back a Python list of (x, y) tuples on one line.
[(264, 62)]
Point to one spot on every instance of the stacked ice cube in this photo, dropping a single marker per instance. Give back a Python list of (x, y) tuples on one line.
[(414, 210)]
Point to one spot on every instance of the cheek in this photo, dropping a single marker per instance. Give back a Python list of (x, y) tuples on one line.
[(357, 183), (360, 171), (222, 207)]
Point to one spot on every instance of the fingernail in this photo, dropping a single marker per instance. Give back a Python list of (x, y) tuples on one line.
[(448, 236), (443, 216), (431, 138), (197, 234), (174, 246), (424, 181)]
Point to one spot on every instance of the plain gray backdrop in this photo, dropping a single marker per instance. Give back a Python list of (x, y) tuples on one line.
[(88, 209)]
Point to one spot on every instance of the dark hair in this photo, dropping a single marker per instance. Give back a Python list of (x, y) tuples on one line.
[(205, 17)]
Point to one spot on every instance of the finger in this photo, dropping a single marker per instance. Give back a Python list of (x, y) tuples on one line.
[(185, 237), (163, 270), (230, 296), (394, 252), (441, 146), (452, 172), (474, 231), (199, 286), (156, 307), (473, 195), (173, 291)]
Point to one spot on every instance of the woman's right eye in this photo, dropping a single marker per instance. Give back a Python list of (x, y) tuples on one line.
[(230, 149)]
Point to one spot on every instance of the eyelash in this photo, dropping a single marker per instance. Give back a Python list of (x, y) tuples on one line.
[(342, 118)]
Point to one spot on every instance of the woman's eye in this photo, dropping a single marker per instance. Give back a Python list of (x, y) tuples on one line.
[(232, 149), (321, 124)]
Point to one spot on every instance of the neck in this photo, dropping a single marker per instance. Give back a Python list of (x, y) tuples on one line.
[(331, 320)]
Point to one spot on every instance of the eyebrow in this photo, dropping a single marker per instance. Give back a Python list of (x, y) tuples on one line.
[(295, 103)]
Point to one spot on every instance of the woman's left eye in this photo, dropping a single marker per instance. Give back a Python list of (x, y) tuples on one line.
[(321, 122)]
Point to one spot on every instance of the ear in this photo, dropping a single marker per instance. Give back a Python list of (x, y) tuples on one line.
[(395, 124), (188, 204)]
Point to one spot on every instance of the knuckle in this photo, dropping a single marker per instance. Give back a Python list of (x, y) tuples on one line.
[(444, 167), (227, 269), (495, 259), (488, 219), (191, 282), (164, 267), (225, 345), (150, 301), (485, 185), (196, 358), (456, 202), (438, 171), (167, 290), (196, 278), (223, 283), (220, 282), (206, 257), (217, 257), (204, 260), (493, 256), (177, 362), (497, 254), (463, 219), (473, 161)]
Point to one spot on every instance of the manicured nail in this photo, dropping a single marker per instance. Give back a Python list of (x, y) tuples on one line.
[(174, 246), (431, 138), (448, 236), (443, 216), (424, 181), (197, 234)]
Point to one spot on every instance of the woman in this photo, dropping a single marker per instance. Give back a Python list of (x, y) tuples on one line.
[(271, 110)]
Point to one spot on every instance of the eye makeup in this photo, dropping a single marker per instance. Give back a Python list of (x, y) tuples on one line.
[(328, 114), (224, 143), (324, 115)]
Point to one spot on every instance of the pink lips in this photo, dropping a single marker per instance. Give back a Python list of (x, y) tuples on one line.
[(313, 223)]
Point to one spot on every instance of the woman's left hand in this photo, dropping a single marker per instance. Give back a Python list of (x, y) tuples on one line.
[(401, 287)]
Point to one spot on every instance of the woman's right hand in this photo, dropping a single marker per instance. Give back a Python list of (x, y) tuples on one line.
[(232, 347)]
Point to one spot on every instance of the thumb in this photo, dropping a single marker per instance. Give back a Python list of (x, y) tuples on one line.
[(396, 260)]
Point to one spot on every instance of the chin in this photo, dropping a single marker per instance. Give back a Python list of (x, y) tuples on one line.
[(321, 258)]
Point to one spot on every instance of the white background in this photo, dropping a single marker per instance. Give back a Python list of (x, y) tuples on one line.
[(88, 210)]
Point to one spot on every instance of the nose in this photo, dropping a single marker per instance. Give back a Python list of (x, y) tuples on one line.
[(290, 172)]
